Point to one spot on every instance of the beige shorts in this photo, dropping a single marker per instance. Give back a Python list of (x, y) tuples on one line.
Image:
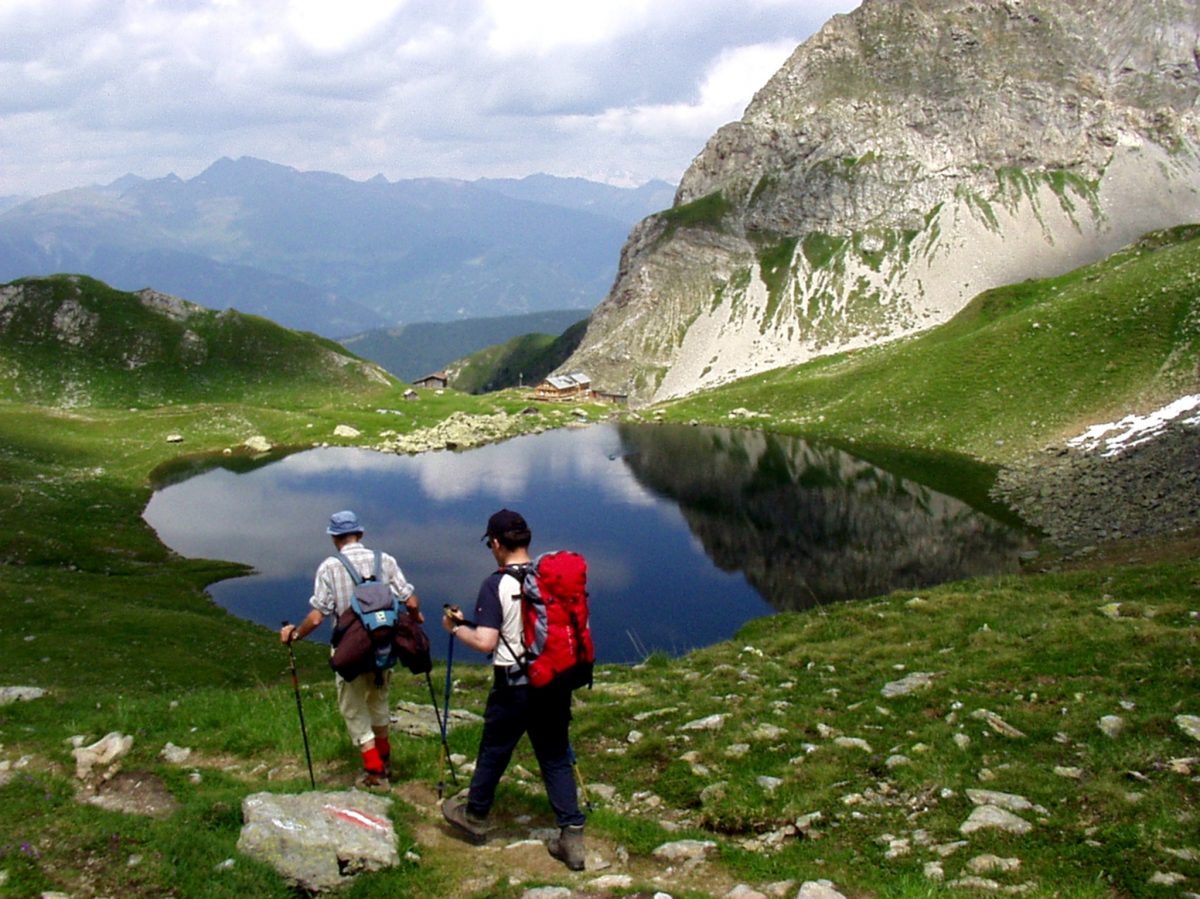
[(363, 705)]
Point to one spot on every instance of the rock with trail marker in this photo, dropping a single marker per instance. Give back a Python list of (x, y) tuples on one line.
[(319, 841)]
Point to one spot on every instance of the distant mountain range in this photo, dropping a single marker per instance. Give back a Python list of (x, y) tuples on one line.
[(321, 252)]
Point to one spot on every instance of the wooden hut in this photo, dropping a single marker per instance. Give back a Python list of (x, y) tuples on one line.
[(436, 381), (574, 386)]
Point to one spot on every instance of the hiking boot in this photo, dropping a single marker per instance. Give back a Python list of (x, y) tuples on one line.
[(373, 780), (456, 812), (567, 847)]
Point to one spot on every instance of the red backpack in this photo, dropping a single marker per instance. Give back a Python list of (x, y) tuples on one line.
[(554, 617)]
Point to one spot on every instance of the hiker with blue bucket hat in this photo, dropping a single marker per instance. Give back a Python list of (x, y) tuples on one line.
[(363, 701)]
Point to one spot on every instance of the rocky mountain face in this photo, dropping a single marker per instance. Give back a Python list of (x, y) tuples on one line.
[(910, 155)]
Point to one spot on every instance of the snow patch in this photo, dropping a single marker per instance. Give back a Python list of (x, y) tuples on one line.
[(1114, 437)]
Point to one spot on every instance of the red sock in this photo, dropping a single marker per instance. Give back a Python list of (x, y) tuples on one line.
[(371, 760), (384, 746)]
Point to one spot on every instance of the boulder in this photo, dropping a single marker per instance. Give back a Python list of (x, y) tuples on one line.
[(20, 694), (1189, 724), (989, 817), (685, 850), (319, 841), (175, 755), (818, 889), (712, 722), (1008, 801), (918, 680), (420, 720), (105, 754), (257, 444), (996, 723)]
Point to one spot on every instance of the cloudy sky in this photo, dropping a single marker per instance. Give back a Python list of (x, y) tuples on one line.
[(615, 90)]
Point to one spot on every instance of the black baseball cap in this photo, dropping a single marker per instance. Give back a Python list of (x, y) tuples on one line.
[(505, 522)]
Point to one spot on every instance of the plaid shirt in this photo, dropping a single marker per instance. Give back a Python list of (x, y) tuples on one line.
[(333, 589)]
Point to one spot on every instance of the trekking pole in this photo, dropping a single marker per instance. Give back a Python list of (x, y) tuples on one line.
[(446, 763), (587, 801), (446, 705), (300, 708)]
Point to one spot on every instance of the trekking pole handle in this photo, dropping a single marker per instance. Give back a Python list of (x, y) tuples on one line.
[(292, 636), (455, 613)]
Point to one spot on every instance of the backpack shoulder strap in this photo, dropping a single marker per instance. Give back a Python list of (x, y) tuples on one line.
[(519, 570), (351, 570), (378, 575)]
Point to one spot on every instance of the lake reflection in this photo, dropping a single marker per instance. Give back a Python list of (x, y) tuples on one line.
[(808, 524), (689, 532)]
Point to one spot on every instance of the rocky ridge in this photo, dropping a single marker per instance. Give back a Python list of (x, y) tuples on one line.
[(907, 157)]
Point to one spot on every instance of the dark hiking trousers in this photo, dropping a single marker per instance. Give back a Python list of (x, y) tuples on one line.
[(545, 715)]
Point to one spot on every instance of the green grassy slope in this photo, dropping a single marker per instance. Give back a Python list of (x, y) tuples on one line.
[(96, 610), (413, 351), (76, 341), (523, 360), (1019, 368)]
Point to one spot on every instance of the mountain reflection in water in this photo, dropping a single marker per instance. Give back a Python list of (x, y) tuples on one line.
[(809, 524), (688, 532)]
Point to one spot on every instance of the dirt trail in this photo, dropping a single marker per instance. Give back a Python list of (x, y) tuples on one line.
[(515, 853)]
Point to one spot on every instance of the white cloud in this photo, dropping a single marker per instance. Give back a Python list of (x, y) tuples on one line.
[(518, 27), (628, 89), (508, 469), (725, 91), (739, 72), (336, 27)]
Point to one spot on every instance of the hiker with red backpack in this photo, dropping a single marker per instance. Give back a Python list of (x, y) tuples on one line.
[(362, 700), (527, 696)]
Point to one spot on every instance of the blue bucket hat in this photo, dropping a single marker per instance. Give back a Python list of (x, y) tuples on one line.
[(343, 523)]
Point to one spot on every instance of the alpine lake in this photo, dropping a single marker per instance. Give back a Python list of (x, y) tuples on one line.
[(689, 532)]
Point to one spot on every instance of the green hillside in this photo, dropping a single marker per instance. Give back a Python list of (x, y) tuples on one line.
[(413, 351), (72, 340), (1019, 368), (811, 771), (522, 361)]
